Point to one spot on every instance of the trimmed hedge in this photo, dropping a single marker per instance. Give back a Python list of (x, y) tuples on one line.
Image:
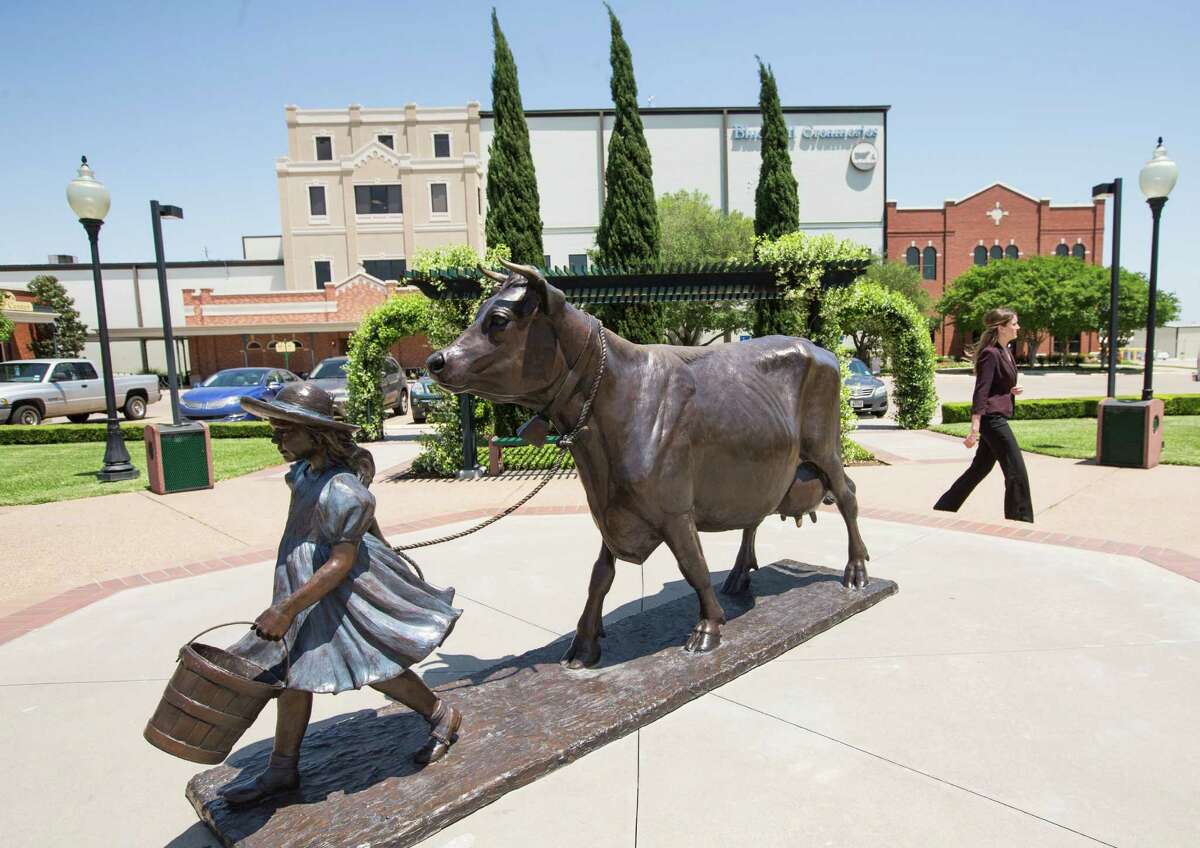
[(1086, 407), (529, 458), (62, 434)]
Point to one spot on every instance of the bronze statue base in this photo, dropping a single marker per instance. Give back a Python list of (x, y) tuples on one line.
[(523, 719)]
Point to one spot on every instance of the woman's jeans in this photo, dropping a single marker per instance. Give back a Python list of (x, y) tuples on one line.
[(996, 444)]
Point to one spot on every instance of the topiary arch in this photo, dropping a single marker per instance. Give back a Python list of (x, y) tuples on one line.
[(395, 318), (890, 316)]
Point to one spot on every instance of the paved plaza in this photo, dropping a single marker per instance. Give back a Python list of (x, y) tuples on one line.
[(1027, 686)]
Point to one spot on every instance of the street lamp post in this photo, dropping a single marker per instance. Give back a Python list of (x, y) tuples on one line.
[(1156, 180), (89, 199), (157, 213), (1114, 292)]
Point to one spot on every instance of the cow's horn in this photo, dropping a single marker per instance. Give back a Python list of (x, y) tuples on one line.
[(495, 276), (552, 299)]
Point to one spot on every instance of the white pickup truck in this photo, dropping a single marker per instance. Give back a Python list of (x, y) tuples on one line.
[(32, 390)]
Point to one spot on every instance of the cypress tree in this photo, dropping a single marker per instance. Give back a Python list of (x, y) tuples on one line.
[(513, 216), (69, 332), (629, 232), (776, 201)]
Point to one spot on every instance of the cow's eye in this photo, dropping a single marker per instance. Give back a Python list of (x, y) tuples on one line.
[(498, 321)]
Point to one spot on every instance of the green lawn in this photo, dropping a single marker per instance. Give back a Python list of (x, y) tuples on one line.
[(1075, 438), (32, 474)]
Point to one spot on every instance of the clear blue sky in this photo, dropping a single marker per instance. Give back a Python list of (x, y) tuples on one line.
[(184, 102)]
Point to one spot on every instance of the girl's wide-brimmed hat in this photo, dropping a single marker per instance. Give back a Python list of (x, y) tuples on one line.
[(300, 403)]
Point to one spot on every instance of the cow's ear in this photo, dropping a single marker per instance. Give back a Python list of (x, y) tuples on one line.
[(550, 298)]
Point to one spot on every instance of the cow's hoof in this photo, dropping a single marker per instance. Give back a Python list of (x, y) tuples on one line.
[(737, 583), (705, 636), (855, 575), (583, 653)]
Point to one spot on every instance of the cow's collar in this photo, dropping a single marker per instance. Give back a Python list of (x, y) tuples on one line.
[(534, 430)]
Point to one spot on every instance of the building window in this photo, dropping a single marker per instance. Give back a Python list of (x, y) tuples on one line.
[(1072, 346), (378, 200), (316, 201), (912, 257), (545, 260), (479, 199), (387, 141), (997, 252), (929, 265), (324, 271), (1061, 250), (324, 148), (1011, 252), (441, 145), (439, 199), (1079, 251), (981, 255), (385, 269), (577, 262)]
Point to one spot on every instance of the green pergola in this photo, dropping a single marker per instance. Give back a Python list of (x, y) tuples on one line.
[(664, 284)]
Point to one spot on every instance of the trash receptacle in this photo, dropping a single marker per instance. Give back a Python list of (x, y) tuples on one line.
[(179, 457), (1129, 433)]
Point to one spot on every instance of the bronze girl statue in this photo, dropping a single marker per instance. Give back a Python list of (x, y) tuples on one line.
[(350, 611)]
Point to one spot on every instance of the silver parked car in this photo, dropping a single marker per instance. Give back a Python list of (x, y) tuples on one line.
[(35, 389), (330, 375), (867, 392)]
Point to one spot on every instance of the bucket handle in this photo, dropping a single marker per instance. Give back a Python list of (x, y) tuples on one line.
[(287, 659)]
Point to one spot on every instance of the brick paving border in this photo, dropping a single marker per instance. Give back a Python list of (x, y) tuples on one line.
[(50, 610)]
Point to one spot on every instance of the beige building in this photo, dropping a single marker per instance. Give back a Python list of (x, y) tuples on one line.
[(362, 189)]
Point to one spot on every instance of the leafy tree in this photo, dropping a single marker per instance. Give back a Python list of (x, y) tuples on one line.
[(776, 200), (629, 231), (6, 324), (513, 216), (1133, 299), (905, 281), (694, 231), (69, 332)]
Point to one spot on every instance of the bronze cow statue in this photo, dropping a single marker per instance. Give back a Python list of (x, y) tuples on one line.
[(675, 440)]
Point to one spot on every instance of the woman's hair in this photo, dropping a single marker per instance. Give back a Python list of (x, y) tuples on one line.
[(341, 450), (993, 320)]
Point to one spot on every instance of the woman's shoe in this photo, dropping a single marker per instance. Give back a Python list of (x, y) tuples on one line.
[(444, 722)]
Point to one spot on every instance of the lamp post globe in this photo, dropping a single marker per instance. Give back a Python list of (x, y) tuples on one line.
[(90, 201), (1156, 179)]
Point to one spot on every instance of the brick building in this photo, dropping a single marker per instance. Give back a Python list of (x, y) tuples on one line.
[(996, 222), (287, 329), (29, 321)]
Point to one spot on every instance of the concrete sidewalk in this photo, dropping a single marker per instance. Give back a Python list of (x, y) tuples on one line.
[(1013, 693)]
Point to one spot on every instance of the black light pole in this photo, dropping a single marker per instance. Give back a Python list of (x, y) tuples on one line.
[(90, 201), (157, 213), (1156, 179), (470, 461), (1114, 291)]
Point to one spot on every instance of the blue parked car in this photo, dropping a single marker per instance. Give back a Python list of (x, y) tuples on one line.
[(219, 397)]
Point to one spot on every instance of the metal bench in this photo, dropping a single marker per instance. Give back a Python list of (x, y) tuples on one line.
[(496, 446)]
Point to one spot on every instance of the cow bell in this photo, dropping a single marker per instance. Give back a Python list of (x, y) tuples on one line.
[(535, 430)]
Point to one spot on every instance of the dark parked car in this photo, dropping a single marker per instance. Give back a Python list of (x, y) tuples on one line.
[(219, 397), (330, 375), (425, 394), (867, 392)]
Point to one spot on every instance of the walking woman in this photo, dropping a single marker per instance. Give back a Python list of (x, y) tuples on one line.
[(351, 612), (991, 407)]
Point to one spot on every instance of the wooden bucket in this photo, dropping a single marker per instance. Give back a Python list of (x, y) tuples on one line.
[(210, 701)]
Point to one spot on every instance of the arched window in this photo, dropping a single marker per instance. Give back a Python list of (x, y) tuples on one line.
[(997, 252), (1079, 251), (1061, 250), (981, 255), (1011, 252), (912, 257), (929, 264), (253, 346)]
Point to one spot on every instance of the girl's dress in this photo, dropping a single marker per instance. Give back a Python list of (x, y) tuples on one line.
[(377, 622)]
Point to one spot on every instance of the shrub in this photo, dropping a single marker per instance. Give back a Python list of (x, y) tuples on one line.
[(62, 434), (1045, 408)]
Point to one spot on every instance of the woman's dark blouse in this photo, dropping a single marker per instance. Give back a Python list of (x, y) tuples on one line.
[(995, 376)]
